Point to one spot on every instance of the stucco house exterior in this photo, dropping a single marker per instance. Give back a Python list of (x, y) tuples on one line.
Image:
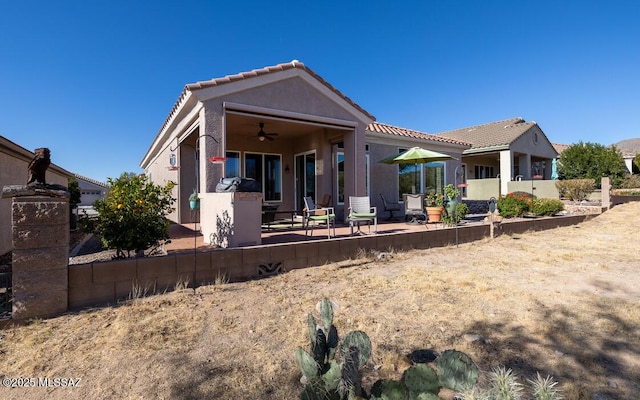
[(15, 160), (90, 190), (503, 153), (326, 144)]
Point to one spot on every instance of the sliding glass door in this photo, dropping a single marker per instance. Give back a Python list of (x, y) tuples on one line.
[(305, 173)]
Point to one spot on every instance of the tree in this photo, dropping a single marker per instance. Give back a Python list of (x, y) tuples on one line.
[(133, 215), (75, 197), (592, 161)]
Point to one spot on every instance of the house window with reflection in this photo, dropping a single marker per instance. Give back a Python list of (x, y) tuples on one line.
[(434, 177), (232, 165), (266, 169)]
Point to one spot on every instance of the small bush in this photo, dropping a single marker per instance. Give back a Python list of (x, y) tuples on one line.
[(546, 206), (461, 211), (514, 204), (631, 182), (576, 189)]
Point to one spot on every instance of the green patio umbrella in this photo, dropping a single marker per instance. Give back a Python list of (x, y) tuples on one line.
[(416, 155)]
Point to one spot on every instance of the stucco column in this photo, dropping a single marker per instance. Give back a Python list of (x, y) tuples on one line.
[(40, 226), (525, 166), (506, 170)]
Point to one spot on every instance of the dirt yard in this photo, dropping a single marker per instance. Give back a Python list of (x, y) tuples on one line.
[(564, 302)]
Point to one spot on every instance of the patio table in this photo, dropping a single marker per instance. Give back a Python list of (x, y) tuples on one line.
[(270, 216)]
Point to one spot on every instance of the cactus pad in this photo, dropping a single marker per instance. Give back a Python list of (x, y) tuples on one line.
[(307, 364), (389, 390), (456, 370), (357, 339), (421, 378)]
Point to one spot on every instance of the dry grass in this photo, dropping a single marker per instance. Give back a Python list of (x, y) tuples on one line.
[(563, 302)]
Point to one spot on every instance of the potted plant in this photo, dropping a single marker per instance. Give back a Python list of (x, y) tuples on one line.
[(434, 203), (452, 193), (194, 202)]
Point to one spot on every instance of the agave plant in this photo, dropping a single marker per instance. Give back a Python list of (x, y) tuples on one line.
[(545, 388), (504, 385)]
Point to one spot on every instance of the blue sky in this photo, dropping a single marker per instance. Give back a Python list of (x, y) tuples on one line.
[(94, 80)]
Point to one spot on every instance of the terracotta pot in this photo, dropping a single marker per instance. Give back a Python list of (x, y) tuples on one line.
[(434, 213)]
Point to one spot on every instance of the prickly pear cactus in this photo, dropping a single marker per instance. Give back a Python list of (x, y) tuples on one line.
[(326, 313), (359, 340), (316, 391), (426, 396), (421, 378), (386, 389), (456, 370), (307, 364)]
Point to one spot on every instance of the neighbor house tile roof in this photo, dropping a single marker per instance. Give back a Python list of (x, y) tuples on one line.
[(410, 133), (94, 181), (491, 136), (559, 147)]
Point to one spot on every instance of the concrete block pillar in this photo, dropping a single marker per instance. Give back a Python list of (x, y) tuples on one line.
[(40, 256), (605, 186)]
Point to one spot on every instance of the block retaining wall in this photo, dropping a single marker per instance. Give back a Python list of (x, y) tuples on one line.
[(107, 282)]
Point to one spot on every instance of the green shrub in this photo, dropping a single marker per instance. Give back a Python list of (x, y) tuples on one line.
[(461, 211), (546, 206), (576, 189), (514, 204), (133, 215), (631, 182)]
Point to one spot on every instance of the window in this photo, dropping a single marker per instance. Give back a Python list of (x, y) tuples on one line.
[(483, 172), (340, 176), (408, 177), (367, 175), (266, 169), (434, 177), (232, 165)]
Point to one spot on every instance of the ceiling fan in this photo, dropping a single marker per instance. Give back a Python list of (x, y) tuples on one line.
[(262, 135)]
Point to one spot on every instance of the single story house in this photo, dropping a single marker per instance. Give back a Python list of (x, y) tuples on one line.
[(90, 190), (294, 133), (15, 160), (502, 154)]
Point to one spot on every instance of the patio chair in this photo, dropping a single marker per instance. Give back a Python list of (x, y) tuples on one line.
[(326, 200), (315, 214), (390, 207), (414, 208), (360, 210)]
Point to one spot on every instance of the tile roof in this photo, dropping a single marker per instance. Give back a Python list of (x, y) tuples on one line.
[(491, 135), (269, 70), (410, 133), (252, 74), (94, 181), (559, 147)]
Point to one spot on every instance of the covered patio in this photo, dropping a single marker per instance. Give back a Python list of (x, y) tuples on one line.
[(189, 236)]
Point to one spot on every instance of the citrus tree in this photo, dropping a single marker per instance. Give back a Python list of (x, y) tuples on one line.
[(133, 215)]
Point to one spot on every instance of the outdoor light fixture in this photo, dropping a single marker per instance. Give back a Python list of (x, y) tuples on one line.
[(172, 159)]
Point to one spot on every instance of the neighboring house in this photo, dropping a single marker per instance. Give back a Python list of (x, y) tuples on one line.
[(15, 160), (325, 143), (502, 153), (628, 161), (384, 140), (90, 190)]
